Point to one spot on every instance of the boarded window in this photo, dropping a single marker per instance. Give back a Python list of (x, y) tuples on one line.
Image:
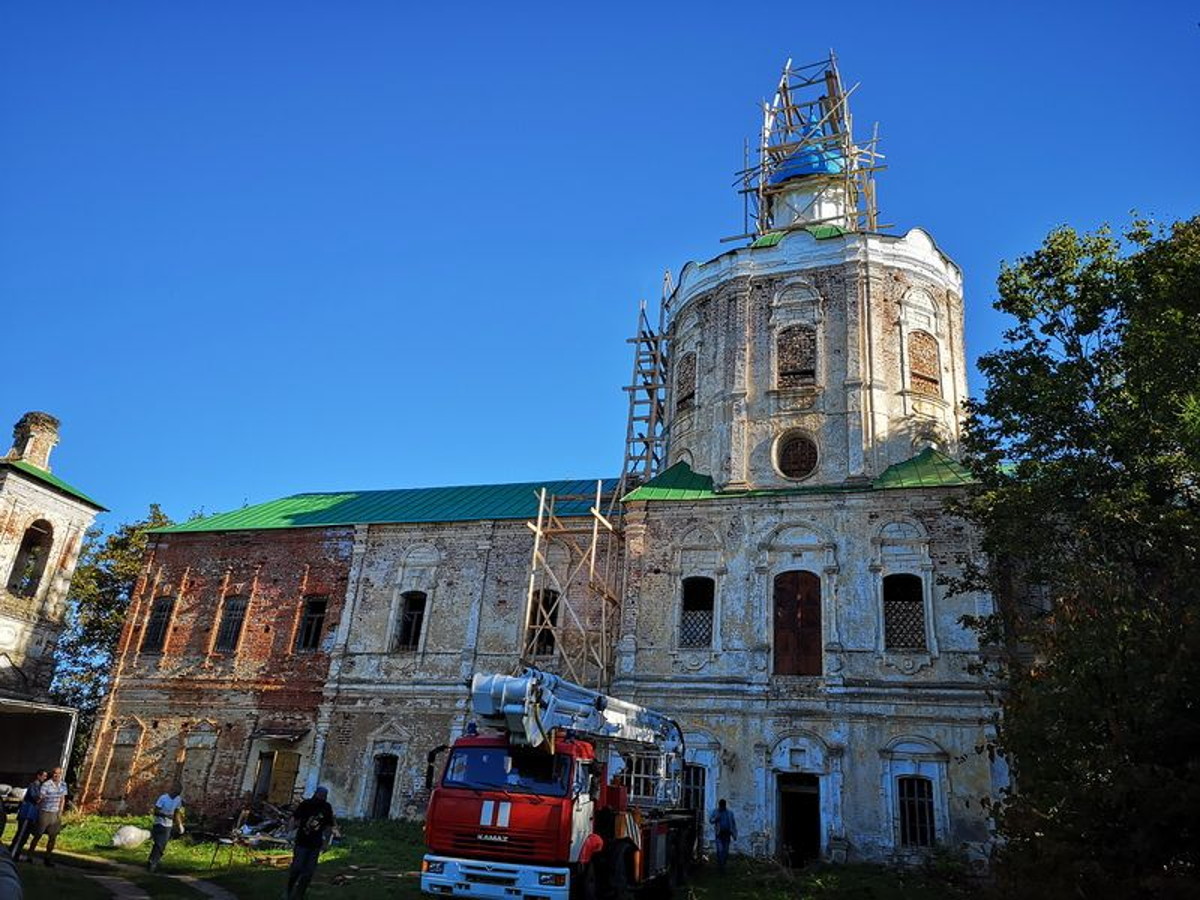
[(312, 623), (412, 618), (797, 456), (157, 624), (30, 563), (233, 616), (696, 617), (685, 382), (923, 368), (797, 623), (796, 356), (903, 612), (915, 796), (544, 619)]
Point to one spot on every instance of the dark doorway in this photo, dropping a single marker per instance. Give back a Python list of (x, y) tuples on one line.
[(797, 623), (385, 784), (799, 818)]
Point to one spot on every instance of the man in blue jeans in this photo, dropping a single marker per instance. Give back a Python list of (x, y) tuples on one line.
[(726, 827)]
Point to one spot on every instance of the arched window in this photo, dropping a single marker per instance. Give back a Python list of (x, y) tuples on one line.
[(797, 623), (696, 615), (30, 564), (412, 619), (685, 382), (903, 612), (157, 624), (796, 357), (542, 622), (233, 616), (924, 371)]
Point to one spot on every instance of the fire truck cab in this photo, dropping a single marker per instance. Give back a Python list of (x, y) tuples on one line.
[(535, 812)]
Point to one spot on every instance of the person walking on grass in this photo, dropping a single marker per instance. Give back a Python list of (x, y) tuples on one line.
[(314, 823), (726, 827), (27, 812), (168, 820), (52, 800)]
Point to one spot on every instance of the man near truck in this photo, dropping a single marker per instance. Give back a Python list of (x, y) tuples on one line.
[(52, 798), (726, 827), (314, 823)]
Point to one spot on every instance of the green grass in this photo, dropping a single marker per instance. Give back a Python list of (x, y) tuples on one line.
[(371, 860), (377, 859), (765, 880)]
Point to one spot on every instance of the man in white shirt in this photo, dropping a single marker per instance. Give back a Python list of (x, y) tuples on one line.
[(166, 816), (51, 801)]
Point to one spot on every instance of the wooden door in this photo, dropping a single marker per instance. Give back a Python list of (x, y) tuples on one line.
[(797, 623), (283, 777)]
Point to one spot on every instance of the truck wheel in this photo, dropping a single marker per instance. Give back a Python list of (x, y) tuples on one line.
[(621, 881), (583, 883)]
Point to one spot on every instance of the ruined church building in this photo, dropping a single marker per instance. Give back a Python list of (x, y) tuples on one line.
[(774, 577)]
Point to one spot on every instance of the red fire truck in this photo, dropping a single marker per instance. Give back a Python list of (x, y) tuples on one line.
[(567, 793)]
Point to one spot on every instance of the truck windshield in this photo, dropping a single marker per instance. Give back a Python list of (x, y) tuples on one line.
[(509, 769)]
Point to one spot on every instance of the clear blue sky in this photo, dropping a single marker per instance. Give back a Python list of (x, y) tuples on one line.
[(250, 249)]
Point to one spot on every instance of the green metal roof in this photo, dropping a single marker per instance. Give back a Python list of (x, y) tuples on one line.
[(820, 232), (929, 468), (52, 480), (438, 504)]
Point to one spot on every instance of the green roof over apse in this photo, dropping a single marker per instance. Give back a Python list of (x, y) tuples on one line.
[(929, 468), (408, 505), (820, 232), (46, 478)]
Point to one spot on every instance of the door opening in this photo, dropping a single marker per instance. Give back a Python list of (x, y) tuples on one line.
[(799, 818), (385, 785)]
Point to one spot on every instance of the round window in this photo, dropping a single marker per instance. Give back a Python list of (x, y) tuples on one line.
[(797, 455)]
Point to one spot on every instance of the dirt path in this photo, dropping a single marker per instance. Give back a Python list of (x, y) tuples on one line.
[(124, 889)]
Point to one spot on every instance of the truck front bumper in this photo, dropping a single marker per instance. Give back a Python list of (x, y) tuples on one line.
[(449, 877)]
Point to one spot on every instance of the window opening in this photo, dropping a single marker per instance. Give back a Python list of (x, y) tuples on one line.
[(694, 781), (545, 619), (696, 617), (233, 616), (797, 456), (156, 625), (412, 618), (923, 369), (797, 598), (916, 811), (642, 775), (30, 563), (312, 623), (903, 612), (796, 357), (685, 383)]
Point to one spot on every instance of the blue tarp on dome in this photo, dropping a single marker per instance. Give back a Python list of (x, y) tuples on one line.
[(803, 161)]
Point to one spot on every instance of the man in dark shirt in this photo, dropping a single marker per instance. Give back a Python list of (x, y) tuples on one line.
[(314, 822)]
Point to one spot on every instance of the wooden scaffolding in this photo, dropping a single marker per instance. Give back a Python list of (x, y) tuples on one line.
[(809, 117)]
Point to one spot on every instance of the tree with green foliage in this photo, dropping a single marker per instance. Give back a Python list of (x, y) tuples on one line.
[(98, 601), (1086, 446)]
